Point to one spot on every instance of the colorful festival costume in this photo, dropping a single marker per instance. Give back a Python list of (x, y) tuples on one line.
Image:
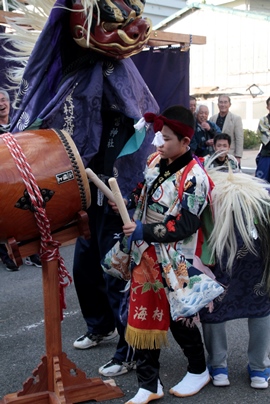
[(171, 225), (230, 161), (169, 230)]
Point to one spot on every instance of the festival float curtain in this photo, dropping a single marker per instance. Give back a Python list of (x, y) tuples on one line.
[(166, 72)]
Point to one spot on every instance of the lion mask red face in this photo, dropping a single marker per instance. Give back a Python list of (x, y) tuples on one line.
[(112, 27)]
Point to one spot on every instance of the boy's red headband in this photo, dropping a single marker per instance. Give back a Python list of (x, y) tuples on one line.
[(160, 120)]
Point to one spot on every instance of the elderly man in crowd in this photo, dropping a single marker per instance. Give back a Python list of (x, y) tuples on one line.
[(231, 124), (202, 141)]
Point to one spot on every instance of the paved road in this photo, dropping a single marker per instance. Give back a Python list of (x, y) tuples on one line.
[(22, 341), (248, 161), (22, 345)]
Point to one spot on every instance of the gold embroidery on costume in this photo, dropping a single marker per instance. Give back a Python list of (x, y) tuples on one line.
[(166, 270), (242, 252), (141, 313), (187, 185), (182, 274), (158, 314)]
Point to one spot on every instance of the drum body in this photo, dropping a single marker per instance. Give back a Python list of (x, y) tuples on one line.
[(59, 174)]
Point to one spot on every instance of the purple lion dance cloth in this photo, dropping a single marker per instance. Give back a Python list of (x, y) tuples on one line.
[(70, 87)]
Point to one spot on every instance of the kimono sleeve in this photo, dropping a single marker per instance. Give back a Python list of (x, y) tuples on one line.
[(187, 222), (196, 191)]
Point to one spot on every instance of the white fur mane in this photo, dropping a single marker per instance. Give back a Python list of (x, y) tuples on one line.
[(25, 30), (237, 200)]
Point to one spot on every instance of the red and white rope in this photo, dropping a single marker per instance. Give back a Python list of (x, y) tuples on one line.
[(49, 248)]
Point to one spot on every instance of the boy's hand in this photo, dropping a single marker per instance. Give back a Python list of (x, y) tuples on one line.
[(129, 228), (114, 206)]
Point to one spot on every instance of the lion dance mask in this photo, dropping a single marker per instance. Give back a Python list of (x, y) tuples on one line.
[(113, 27)]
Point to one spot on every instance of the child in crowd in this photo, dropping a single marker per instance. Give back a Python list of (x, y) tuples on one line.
[(162, 225), (221, 158)]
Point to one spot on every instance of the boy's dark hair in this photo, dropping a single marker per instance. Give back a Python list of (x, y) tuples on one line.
[(222, 136), (180, 114), (192, 98), (267, 101)]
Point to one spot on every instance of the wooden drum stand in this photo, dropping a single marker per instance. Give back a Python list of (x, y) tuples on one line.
[(60, 179), (57, 380)]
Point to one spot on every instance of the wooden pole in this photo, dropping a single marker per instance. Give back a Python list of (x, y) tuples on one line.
[(52, 320), (57, 380)]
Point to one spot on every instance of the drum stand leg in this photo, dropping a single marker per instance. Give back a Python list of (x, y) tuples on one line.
[(57, 380)]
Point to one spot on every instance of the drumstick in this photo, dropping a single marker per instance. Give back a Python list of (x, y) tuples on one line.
[(119, 200), (103, 188)]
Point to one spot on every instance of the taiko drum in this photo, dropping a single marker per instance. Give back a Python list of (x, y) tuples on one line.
[(59, 174)]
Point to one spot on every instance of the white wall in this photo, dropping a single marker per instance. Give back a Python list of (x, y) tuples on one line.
[(236, 55)]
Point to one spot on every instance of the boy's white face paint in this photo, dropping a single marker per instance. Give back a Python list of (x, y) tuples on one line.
[(158, 139)]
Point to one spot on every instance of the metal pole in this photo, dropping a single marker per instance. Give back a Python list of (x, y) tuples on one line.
[(5, 5)]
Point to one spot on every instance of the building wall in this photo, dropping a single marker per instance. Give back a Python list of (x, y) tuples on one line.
[(259, 5), (160, 9), (236, 55)]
